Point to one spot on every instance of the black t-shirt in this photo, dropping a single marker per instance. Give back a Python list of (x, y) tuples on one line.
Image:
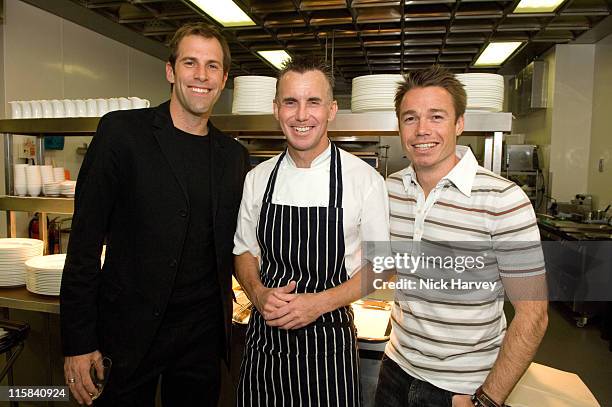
[(196, 294)]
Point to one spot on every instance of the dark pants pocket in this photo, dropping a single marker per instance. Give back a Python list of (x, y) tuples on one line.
[(396, 388)]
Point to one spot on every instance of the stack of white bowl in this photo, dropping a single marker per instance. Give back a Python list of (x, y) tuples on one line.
[(52, 178), (20, 180), (33, 179), (67, 188), (485, 91), (49, 187), (373, 93), (46, 109), (13, 255), (253, 94)]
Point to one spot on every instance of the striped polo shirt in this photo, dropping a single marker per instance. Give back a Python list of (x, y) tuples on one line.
[(453, 344)]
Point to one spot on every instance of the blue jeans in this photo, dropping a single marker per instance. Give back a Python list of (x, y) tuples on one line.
[(397, 388)]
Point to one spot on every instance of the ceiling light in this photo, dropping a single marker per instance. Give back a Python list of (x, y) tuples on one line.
[(537, 6), (496, 53), (225, 12), (276, 58)]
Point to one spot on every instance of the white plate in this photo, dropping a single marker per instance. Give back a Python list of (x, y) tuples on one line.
[(370, 109), (54, 261), (253, 106), (43, 287), (373, 99), (48, 274), (54, 294), (17, 242), (375, 91), (22, 254), (253, 92), (377, 77), (255, 78)]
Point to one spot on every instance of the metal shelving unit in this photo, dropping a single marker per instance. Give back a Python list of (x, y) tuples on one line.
[(37, 204), (362, 127), (39, 128)]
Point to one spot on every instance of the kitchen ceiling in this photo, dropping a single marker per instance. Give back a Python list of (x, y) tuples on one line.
[(363, 37)]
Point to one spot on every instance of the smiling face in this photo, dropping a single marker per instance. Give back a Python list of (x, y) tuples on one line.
[(428, 129), (197, 76), (304, 108)]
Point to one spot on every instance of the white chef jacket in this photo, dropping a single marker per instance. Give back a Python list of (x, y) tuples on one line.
[(364, 200)]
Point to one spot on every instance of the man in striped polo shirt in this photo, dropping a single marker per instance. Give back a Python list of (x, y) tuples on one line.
[(457, 352)]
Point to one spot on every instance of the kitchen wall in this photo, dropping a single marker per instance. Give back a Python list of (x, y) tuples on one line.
[(571, 120), (51, 58), (600, 183), (564, 129), (48, 57)]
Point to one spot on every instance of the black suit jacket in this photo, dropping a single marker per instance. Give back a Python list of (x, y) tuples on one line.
[(129, 195)]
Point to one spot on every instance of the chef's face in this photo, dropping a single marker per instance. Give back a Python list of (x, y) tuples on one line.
[(197, 76), (429, 129), (303, 106)]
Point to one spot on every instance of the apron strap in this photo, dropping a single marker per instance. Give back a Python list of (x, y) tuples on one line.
[(272, 180), (335, 178)]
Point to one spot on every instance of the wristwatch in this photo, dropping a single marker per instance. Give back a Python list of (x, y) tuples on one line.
[(482, 399)]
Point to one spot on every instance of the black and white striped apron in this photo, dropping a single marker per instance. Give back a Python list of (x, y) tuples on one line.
[(316, 365)]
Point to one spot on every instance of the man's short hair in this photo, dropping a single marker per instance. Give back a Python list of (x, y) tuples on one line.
[(433, 76), (203, 30), (302, 64)]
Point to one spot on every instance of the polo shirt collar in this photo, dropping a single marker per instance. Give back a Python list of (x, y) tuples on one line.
[(462, 175)]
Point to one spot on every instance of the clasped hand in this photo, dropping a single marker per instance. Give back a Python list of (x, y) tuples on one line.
[(284, 309)]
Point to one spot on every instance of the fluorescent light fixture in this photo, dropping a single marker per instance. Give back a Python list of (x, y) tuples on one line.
[(276, 58), (537, 6), (225, 12), (496, 53)]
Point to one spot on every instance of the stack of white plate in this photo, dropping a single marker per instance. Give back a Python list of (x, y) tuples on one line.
[(51, 189), (66, 188), (373, 93), (485, 91), (49, 186), (44, 273), (253, 94), (58, 174), (14, 253)]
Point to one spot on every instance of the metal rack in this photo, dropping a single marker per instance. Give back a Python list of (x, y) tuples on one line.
[(534, 177), (355, 126)]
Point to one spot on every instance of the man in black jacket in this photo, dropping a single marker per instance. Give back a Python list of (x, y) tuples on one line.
[(161, 187)]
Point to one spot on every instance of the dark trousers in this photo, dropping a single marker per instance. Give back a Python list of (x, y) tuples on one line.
[(187, 360), (397, 388)]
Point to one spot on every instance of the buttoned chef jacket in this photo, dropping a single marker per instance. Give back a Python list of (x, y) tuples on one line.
[(364, 199)]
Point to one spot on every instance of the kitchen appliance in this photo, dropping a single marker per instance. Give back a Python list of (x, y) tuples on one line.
[(521, 157)]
